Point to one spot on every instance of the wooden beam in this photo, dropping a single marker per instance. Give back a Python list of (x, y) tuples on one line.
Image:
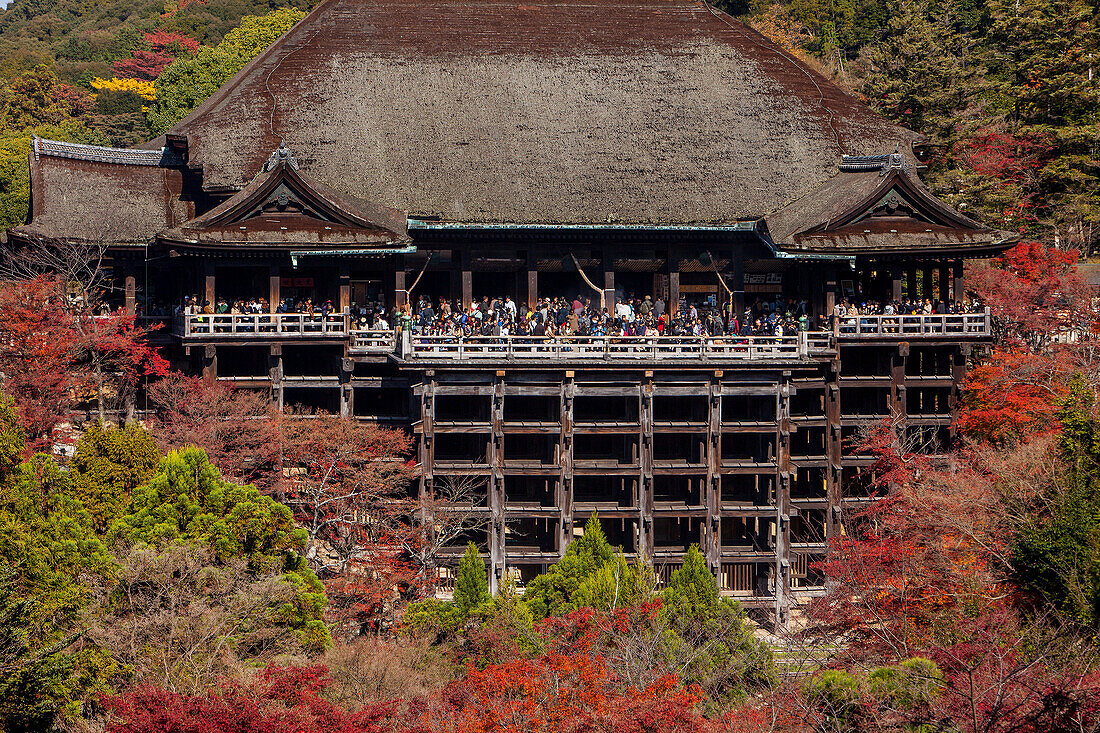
[(208, 282), (344, 279), (130, 286), (645, 464), (532, 288), (783, 505), (274, 287), (712, 487), (565, 462), (495, 457)]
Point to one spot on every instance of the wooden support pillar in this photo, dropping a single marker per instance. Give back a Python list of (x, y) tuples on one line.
[(830, 293), (712, 491), (833, 446), (911, 283), (497, 550), (565, 460), (275, 372), (926, 285), (737, 281), (896, 293), (345, 288), (945, 282), (645, 460), (897, 404), (609, 288), (959, 293), (467, 288), (208, 285), (959, 356), (400, 295), (673, 289), (532, 286), (210, 363), (274, 287), (783, 565), (347, 393), (130, 287), (427, 445)]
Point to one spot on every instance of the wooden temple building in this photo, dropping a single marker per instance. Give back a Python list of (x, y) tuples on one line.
[(478, 148)]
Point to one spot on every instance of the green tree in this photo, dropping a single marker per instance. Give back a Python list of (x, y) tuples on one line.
[(1056, 551), (187, 500), (186, 82), (591, 573), (109, 464), (918, 72), (708, 637), (50, 562), (472, 584)]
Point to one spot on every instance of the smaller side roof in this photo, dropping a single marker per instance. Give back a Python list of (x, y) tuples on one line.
[(877, 205), (87, 192), (283, 207)]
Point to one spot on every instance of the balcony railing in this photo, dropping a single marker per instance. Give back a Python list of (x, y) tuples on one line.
[(610, 348), (373, 342), (906, 326), (262, 325)]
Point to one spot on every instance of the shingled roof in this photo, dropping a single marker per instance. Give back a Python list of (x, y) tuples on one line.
[(87, 192), (283, 207), (877, 205), (548, 111)]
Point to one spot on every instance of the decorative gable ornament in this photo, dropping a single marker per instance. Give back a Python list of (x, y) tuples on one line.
[(282, 154)]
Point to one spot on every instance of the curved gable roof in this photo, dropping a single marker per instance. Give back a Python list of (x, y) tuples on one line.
[(548, 111)]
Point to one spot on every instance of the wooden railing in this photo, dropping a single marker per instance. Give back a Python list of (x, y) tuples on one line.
[(614, 348), (373, 342), (906, 326), (264, 325)]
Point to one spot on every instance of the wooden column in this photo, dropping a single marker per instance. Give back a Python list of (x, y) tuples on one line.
[(274, 287), (959, 356), (497, 550), (427, 440), (130, 287), (737, 281), (911, 283), (565, 459), (210, 363), (345, 287), (275, 373), (834, 471), (896, 284), (347, 393), (945, 282), (467, 288), (673, 304), (532, 286), (645, 460), (400, 295), (897, 402), (830, 293), (712, 490), (208, 274), (960, 281), (783, 567), (926, 286), (609, 289)]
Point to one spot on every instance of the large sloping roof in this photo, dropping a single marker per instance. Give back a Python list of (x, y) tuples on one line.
[(543, 111)]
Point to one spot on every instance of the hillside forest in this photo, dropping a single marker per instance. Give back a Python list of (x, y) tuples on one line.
[(224, 567)]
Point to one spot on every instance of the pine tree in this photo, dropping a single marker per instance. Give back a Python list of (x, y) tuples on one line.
[(472, 584)]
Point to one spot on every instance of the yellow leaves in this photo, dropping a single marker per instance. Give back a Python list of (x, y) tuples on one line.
[(140, 87)]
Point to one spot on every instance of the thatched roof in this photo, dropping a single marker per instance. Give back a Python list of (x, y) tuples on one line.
[(552, 111), (86, 192), (877, 205)]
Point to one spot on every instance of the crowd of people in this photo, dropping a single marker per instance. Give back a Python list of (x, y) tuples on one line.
[(583, 315)]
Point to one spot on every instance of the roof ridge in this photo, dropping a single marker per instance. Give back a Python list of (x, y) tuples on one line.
[(104, 154)]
